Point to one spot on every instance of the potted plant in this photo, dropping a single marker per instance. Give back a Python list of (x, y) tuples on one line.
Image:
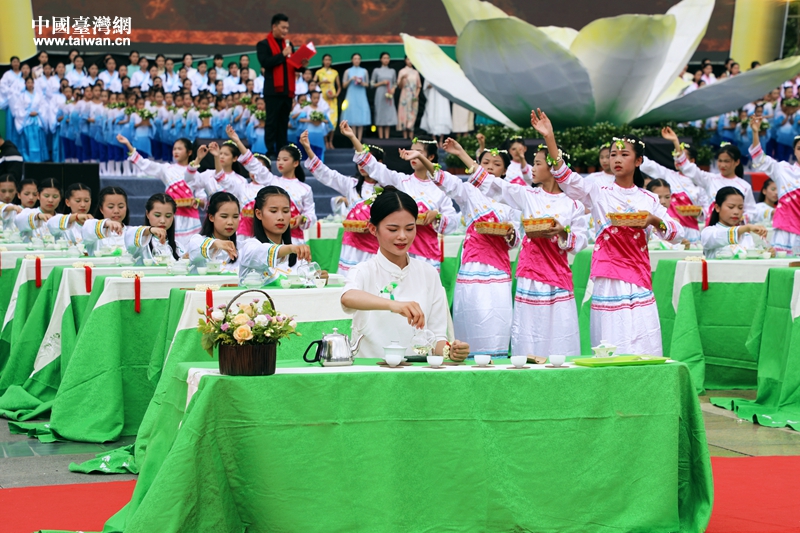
[(247, 335)]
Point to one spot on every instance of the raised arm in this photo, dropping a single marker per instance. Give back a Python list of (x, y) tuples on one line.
[(148, 168), (571, 183), (325, 175)]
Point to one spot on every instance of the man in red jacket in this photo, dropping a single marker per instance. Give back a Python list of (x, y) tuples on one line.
[(278, 83)]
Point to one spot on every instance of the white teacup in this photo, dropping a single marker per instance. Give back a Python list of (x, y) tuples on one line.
[(781, 255), (320, 283), (483, 360), (519, 360), (557, 360), (202, 271), (393, 359), (435, 360), (214, 267)]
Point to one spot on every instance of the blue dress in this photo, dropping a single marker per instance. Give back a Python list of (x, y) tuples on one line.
[(356, 112), (32, 140)]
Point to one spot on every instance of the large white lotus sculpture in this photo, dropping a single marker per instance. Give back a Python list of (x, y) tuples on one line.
[(622, 69)]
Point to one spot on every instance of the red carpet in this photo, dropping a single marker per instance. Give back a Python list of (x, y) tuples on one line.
[(751, 495), (82, 507), (756, 495)]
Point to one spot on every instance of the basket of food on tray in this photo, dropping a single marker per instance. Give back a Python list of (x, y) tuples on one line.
[(355, 226), (534, 226), (493, 228), (689, 210), (185, 202), (633, 220)]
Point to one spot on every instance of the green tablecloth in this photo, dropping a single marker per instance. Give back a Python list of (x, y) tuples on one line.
[(326, 252), (104, 394), (775, 342), (709, 329), (33, 373), (104, 389), (446, 448)]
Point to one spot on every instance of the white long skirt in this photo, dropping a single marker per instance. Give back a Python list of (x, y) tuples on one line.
[(349, 257), (545, 320), (626, 316), (785, 241), (482, 309)]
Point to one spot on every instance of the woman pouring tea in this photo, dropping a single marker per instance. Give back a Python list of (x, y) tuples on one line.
[(391, 295)]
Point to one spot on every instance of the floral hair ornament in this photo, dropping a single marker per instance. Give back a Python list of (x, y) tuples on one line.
[(264, 157), (229, 143), (375, 194), (724, 144), (605, 145), (495, 151), (550, 161), (619, 142), (684, 146), (417, 140)]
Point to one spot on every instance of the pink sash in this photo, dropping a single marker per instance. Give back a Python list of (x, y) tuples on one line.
[(246, 220), (180, 190), (542, 260), (787, 213), (621, 253), (297, 233), (366, 242), (426, 244), (681, 198), (487, 249)]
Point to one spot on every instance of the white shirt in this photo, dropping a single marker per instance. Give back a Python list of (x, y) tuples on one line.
[(139, 78), (232, 85), (111, 81), (719, 236), (417, 282)]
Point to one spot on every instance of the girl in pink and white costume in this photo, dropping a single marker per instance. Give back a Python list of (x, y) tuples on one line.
[(683, 191), (728, 162), (518, 170), (623, 307), (187, 217), (356, 247), (545, 314), (440, 215), (604, 176), (786, 219), (482, 306), (292, 180)]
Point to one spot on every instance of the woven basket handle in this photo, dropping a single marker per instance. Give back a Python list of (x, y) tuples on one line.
[(228, 307)]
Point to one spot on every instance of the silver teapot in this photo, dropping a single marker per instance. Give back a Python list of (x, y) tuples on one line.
[(334, 350)]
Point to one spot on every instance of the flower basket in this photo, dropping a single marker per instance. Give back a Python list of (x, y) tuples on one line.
[(355, 226), (633, 220), (493, 228), (252, 360), (248, 337), (536, 225), (689, 210)]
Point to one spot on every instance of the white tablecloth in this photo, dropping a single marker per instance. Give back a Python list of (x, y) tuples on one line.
[(723, 271)]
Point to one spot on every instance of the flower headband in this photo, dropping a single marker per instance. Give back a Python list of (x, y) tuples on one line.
[(605, 145), (417, 140), (684, 146), (495, 151), (724, 144), (229, 142), (265, 158), (562, 156), (620, 142), (375, 194)]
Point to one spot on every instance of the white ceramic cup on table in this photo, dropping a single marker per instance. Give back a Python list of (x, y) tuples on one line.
[(482, 359), (557, 360), (393, 359), (519, 360), (435, 360)]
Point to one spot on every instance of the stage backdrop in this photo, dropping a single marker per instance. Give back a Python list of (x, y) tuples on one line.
[(219, 25)]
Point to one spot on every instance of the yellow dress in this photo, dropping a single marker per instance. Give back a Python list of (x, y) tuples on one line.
[(326, 78)]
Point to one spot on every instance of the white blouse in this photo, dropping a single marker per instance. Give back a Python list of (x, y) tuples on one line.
[(199, 251), (720, 236), (262, 257), (417, 282)]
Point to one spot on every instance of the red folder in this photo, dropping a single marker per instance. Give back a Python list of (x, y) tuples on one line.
[(307, 51)]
